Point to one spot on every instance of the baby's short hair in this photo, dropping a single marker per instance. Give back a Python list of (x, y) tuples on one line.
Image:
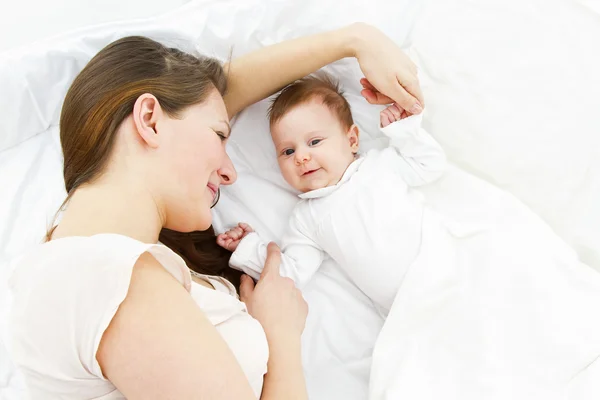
[(323, 88)]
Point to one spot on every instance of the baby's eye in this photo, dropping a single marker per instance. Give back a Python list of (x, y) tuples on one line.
[(288, 152), (315, 142)]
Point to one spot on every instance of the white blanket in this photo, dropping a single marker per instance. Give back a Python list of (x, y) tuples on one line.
[(511, 90), (506, 313), (501, 307)]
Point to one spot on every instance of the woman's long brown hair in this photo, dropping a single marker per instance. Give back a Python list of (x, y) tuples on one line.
[(103, 95), (201, 253)]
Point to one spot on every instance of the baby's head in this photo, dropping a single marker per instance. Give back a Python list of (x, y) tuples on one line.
[(313, 132)]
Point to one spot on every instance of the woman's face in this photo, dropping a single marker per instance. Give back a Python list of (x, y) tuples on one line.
[(197, 164)]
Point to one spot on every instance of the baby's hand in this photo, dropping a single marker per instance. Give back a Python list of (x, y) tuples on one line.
[(232, 238), (392, 114)]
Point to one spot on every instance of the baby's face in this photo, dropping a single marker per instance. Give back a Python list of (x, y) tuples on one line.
[(313, 148)]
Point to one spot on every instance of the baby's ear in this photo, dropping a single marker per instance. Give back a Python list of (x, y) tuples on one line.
[(352, 135)]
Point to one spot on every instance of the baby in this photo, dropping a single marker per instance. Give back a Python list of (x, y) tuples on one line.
[(357, 209)]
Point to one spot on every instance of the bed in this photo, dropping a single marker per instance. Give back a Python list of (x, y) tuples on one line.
[(512, 93)]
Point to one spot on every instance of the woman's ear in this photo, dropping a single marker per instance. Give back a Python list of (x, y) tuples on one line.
[(146, 112), (352, 135)]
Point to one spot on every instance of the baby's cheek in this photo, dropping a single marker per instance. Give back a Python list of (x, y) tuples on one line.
[(282, 165), (287, 173)]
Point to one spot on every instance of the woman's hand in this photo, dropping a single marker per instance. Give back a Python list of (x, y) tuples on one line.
[(258, 74), (390, 73), (275, 301)]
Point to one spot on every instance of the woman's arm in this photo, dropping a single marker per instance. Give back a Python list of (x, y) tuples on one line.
[(285, 376), (159, 345), (261, 73), (278, 305)]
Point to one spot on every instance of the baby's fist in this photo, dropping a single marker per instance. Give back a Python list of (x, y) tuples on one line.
[(392, 114), (232, 238)]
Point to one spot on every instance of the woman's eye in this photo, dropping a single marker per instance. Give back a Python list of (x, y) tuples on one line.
[(288, 152), (315, 142), (221, 135)]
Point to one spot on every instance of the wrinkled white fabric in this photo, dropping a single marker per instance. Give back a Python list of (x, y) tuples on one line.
[(498, 307)]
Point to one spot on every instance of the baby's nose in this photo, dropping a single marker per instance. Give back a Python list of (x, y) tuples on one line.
[(302, 157)]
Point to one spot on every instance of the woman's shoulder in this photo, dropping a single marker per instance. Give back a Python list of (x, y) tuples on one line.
[(67, 292), (81, 259)]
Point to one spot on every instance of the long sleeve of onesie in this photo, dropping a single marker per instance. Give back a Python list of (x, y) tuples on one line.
[(300, 255), (424, 158)]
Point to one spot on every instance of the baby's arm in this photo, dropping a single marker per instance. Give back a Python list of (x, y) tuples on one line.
[(300, 256), (423, 158)]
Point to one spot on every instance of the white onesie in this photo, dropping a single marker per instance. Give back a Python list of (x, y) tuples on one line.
[(370, 222)]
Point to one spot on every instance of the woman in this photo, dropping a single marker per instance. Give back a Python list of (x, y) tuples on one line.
[(101, 311)]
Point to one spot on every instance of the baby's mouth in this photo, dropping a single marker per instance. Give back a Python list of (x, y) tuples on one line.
[(310, 172)]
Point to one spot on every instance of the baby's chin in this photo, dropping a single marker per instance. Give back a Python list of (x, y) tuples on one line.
[(314, 186), (316, 183)]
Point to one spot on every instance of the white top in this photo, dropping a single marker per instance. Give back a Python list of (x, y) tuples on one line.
[(66, 293), (370, 222)]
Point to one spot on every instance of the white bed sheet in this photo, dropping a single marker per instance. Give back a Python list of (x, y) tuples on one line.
[(30, 20), (489, 71)]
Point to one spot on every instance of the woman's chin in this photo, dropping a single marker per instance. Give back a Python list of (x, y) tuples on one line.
[(202, 224), (190, 224), (205, 221), (205, 225)]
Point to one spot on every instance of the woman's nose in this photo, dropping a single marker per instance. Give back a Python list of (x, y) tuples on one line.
[(227, 173)]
